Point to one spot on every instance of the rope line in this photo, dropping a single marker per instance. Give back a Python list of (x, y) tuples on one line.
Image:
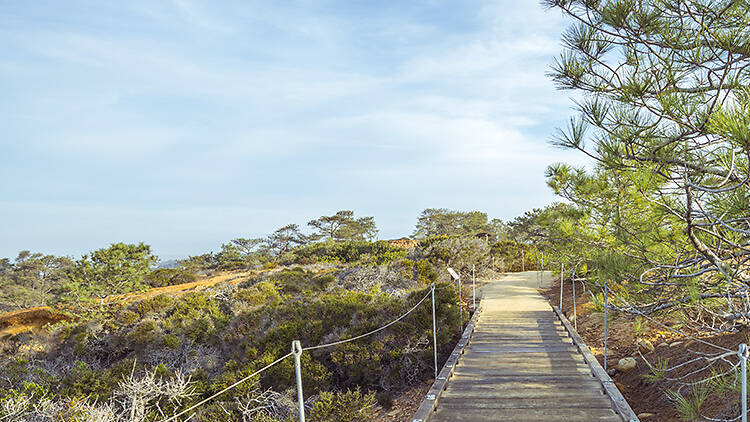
[(204, 401), (335, 343), (641, 313), (320, 346)]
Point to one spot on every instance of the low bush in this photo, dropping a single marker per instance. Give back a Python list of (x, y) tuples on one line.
[(259, 294), (144, 333), (351, 406), (218, 342), (163, 277), (297, 280), (348, 252), (155, 304)]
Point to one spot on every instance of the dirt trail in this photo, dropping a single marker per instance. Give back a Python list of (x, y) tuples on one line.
[(232, 277)]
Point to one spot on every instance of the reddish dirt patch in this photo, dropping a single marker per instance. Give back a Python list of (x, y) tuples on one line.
[(31, 319), (642, 395), (404, 243)]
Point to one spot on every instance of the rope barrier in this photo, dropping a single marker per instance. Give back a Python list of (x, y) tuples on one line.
[(204, 401), (335, 343), (320, 346), (641, 313)]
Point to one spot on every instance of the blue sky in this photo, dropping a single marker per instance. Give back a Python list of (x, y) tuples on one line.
[(186, 123)]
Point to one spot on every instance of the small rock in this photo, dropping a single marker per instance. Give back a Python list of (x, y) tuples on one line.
[(626, 364), (645, 345), (675, 344), (611, 372), (645, 415)]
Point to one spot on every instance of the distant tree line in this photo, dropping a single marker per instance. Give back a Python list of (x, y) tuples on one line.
[(36, 279)]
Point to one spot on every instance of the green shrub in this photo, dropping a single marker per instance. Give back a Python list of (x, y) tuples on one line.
[(196, 316), (424, 272), (351, 406), (129, 317), (262, 293), (155, 304), (689, 407), (163, 277), (144, 333), (171, 341), (292, 304), (270, 265), (297, 280), (84, 382), (658, 369), (379, 252)]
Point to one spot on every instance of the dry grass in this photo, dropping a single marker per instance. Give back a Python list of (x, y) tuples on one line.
[(26, 320), (232, 277)]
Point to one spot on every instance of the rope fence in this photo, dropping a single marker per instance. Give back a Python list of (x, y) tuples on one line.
[(204, 401), (297, 350), (742, 353)]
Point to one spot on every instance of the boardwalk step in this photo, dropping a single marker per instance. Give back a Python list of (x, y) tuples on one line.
[(510, 387), (522, 349), (551, 367), (526, 415), (511, 372), (520, 341), (474, 402)]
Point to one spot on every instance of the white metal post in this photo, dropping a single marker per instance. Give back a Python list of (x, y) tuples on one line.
[(460, 306), (473, 287), (606, 310), (297, 352), (575, 317), (562, 284), (523, 261), (541, 277), (538, 266), (434, 331), (743, 363)]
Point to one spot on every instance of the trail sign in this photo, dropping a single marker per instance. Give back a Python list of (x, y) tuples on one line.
[(453, 273)]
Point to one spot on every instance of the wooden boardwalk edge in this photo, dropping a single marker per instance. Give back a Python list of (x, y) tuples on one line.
[(426, 409), (619, 404)]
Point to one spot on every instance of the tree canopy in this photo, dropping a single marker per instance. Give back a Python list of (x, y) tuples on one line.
[(117, 269), (31, 278), (664, 111), (344, 226), (285, 239), (445, 222)]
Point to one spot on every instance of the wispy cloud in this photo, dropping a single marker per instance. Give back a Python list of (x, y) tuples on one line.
[(279, 110)]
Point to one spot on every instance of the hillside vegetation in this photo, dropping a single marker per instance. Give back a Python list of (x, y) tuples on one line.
[(130, 342)]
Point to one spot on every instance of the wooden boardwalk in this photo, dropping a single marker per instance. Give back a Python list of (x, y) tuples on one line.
[(520, 363)]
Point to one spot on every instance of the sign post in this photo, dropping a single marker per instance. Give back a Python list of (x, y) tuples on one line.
[(457, 276)]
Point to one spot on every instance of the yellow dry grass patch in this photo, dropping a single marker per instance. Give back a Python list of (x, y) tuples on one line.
[(232, 277), (26, 320)]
